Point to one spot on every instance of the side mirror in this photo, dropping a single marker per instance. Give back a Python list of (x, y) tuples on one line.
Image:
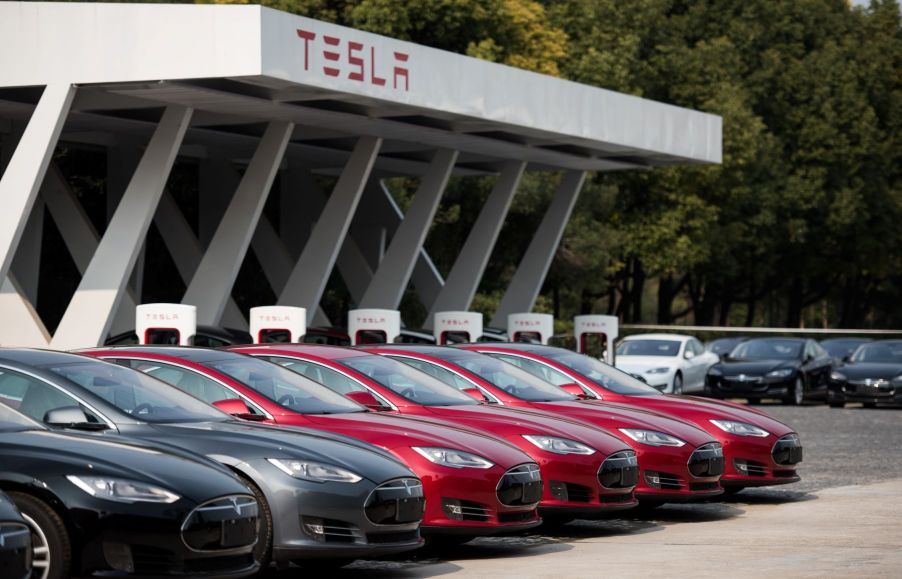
[(71, 417), (574, 388), (474, 393), (689, 354), (238, 408), (846, 359), (366, 399)]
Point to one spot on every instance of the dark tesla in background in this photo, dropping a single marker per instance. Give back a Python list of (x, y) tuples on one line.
[(321, 495), (842, 348), (99, 505), (791, 369), (872, 375), (15, 541), (723, 346)]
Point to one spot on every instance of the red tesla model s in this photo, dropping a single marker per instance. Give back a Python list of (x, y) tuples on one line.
[(679, 461), (759, 450), (474, 485)]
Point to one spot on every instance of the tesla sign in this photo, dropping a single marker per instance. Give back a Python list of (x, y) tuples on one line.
[(342, 58)]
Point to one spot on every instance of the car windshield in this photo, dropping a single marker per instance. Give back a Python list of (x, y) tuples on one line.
[(648, 348), (767, 350), (284, 387), (604, 375), (12, 421), (515, 381), (889, 353), (145, 398), (724, 345), (407, 382), (841, 348)]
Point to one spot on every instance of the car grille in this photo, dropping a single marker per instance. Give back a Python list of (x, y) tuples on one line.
[(150, 560), (620, 470), (521, 485), (750, 467), (707, 461), (787, 450), (870, 387), (396, 502), (331, 530), (466, 510), (222, 524), (569, 492), (710, 486)]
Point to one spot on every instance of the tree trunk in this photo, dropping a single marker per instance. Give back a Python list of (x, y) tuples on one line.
[(665, 299)]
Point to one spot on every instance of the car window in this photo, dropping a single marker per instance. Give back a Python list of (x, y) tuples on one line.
[(443, 374), (188, 381), (35, 398), (537, 369), (648, 348), (332, 379), (697, 347), (407, 382), (209, 341), (768, 349)]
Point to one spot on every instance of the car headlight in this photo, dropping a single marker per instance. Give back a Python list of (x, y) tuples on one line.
[(122, 491), (715, 371), (652, 437), (661, 370), (781, 373), (559, 445), (740, 428), (452, 458), (314, 471), (837, 376)]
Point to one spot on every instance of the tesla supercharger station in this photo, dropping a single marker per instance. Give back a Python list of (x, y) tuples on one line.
[(457, 327), (282, 324), (374, 326), (594, 333), (172, 324), (522, 327)]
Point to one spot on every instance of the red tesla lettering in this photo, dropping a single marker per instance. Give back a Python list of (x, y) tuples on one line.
[(376, 80), (306, 36), (401, 71), (331, 55), (356, 61)]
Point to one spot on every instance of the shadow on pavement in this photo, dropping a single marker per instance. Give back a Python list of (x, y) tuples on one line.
[(768, 497)]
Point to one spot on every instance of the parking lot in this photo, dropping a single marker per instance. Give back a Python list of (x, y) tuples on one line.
[(841, 519)]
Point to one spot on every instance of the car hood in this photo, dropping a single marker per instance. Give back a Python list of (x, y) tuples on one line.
[(38, 453), (872, 370), (640, 364), (392, 432), (611, 416), (755, 367), (233, 442), (700, 411), (507, 422)]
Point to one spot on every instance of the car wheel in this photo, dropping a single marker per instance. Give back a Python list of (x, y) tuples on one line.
[(836, 404), (796, 395), (51, 549), (678, 383), (263, 548)]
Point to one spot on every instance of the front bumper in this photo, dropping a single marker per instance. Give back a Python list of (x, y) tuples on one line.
[(882, 392), (762, 462), (173, 540), (684, 474), (751, 387), (586, 487), (15, 550)]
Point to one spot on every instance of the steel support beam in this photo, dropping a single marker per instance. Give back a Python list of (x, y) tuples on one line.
[(311, 272), (211, 286), (391, 278), (90, 313), (466, 273), (527, 282), (23, 176)]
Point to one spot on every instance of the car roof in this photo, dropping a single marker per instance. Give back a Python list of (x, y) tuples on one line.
[(185, 352), (322, 350), (680, 337)]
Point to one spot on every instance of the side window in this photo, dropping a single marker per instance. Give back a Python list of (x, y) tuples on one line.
[(537, 369), (35, 398), (443, 374), (697, 347), (328, 377), (185, 380)]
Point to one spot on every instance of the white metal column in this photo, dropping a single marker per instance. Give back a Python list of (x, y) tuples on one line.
[(463, 280), (90, 312), (23, 176), (389, 282), (527, 282), (212, 283), (308, 278)]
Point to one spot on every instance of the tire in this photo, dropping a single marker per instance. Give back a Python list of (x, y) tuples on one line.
[(678, 383), (796, 396), (50, 542), (836, 404), (263, 548)]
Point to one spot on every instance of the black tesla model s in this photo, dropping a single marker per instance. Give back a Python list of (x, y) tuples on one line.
[(872, 376), (323, 496), (99, 505)]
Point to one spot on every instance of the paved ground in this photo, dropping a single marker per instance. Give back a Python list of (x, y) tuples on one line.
[(837, 521)]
